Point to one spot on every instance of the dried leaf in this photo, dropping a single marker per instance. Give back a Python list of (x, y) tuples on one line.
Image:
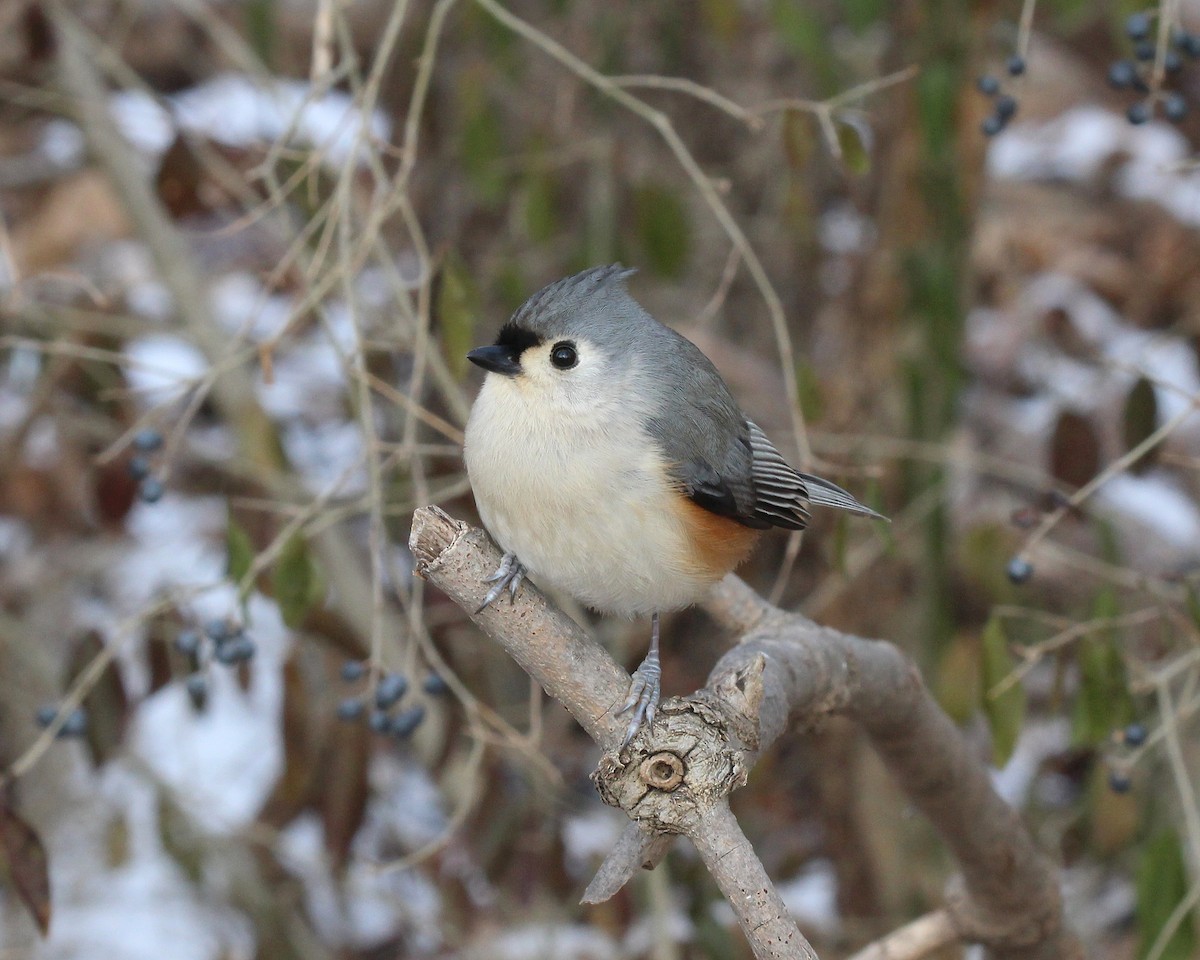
[(1006, 712), (1074, 450), (294, 789), (344, 778), (107, 704), (1140, 421), (28, 868)]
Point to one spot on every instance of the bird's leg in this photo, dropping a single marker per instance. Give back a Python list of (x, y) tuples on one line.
[(508, 575), (646, 689)]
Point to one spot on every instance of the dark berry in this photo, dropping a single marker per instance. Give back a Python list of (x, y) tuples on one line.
[(1019, 570), (188, 643), (1189, 43), (406, 721), (219, 630), (151, 490), (350, 710), (1122, 74), (197, 690), (75, 725), (1172, 62), (1006, 107), (1138, 113), (235, 650), (392, 686), (353, 670), (379, 721), (147, 441), (1175, 107), (45, 715), (1015, 66), (988, 85), (1137, 26), (435, 686), (1144, 51), (1135, 734), (992, 125), (139, 468), (1119, 782)]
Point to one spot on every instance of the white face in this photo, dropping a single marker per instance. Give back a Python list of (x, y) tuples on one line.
[(570, 376)]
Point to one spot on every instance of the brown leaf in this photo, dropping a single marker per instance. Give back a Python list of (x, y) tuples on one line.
[(1075, 450), (27, 865), (294, 790), (344, 799), (107, 704)]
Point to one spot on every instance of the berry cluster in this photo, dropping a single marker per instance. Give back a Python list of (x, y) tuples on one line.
[(1136, 74), (1004, 106), (383, 717), (1120, 779), (222, 641), (146, 443), (75, 724)]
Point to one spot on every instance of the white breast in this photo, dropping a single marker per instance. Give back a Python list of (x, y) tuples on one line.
[(582, 498)]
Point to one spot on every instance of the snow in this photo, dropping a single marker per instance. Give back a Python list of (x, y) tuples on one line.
[(1079, 144), (563, 942), (1039, 739), (241, 111), (162, 367), (1155, 500), (140, 908)]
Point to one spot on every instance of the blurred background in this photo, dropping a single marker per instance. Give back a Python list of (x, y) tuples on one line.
[(944, 253)]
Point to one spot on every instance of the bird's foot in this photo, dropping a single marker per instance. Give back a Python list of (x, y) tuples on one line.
[(508, 576), (645, 691)]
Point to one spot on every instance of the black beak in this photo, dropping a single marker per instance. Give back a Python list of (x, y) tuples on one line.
[(497, 359)]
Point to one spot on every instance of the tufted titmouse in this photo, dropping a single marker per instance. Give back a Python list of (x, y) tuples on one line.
[(609, 460)]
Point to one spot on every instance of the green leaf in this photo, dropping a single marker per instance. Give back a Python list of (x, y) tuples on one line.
[(661, 224), (797, 134), (1162, 882), (1103, 703), (482, 142), (261, 29), (1005, 712), (1140, 421), (957, 680), (239, 551), (1192, 600), (541, 207), (457, 306), (22, 852), (855, 156), (297, 582)]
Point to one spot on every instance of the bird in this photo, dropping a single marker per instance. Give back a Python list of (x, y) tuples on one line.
[(609, 460)]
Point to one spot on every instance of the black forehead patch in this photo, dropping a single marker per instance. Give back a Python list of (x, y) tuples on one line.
[(518, 339)]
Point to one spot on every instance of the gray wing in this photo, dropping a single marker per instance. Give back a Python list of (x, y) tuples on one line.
[(721, 460)]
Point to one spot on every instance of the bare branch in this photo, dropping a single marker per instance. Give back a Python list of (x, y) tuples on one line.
[(676, 775)]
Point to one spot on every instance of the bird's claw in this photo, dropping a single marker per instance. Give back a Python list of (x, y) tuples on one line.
[(508, 576), (645, 692)]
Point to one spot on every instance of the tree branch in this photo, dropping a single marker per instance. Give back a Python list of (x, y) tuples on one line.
[(676, 775)]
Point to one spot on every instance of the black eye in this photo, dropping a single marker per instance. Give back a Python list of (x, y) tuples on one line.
[(563, 355)]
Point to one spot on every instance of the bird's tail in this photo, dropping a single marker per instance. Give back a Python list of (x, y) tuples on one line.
[(831, 495)]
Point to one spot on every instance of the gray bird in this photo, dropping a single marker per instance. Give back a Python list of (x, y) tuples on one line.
[(609, 460)]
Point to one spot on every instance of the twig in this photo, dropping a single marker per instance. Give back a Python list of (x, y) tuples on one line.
[(914, 940)]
